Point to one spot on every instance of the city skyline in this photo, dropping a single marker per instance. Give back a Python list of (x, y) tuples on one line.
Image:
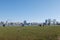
[(29, 10), (45, 21)]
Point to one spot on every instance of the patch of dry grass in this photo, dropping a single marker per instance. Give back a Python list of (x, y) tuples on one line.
[(30, 33)]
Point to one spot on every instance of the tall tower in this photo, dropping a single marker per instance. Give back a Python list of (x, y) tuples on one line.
[(46, 21), (25, 22), (54, 21), (49, 21)]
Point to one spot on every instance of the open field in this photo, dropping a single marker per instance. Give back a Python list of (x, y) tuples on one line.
[(30, 33)]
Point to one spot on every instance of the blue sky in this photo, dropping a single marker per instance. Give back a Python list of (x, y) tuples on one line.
[(30, 10)]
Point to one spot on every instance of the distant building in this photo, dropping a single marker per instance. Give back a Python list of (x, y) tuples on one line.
[(46, 21), (49, 21), (25, 22), (54, 21)]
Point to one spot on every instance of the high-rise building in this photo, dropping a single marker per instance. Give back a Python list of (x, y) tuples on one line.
[(25, 22), (46, 21), (54, 21), (49, 21)]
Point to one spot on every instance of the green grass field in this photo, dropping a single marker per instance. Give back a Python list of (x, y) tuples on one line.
[(30, 33)]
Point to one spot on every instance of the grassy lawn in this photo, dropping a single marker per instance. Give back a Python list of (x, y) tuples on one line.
[(30, 33)]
